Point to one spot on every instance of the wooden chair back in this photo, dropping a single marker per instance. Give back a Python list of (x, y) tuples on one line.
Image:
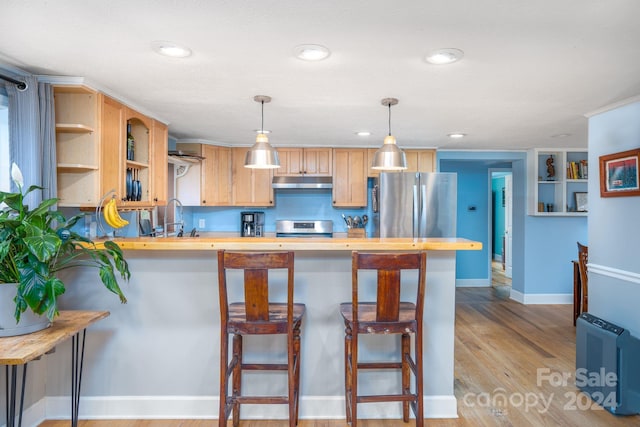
[(583, 259), (389, 268), (256, 266)]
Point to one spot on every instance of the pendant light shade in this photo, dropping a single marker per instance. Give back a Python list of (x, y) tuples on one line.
[(389, 156), (262, 155)]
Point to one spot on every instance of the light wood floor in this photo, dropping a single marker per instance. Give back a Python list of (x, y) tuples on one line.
[(500, 346), (498, 277)]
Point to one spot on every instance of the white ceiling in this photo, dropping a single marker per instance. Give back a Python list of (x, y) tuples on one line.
[(531, 69)]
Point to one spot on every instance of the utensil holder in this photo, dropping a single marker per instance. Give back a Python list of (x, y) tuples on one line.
[(356, 232)]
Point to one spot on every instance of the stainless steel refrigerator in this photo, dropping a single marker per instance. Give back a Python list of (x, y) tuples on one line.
[(415, 204)]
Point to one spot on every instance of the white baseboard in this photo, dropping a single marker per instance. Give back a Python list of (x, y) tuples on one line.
[(541, 298), (34, 414), (206, 407), (473, 283)]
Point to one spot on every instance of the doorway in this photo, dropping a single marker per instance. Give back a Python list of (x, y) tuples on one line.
[(501, 229)]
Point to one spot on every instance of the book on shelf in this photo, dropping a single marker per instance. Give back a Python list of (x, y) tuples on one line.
[(578, 170)]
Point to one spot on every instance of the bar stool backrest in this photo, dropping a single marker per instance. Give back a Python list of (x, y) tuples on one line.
[(583, 259), (256, 266), (389, 267)]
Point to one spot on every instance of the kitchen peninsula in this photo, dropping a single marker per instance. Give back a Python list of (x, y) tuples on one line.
[(157, 356)]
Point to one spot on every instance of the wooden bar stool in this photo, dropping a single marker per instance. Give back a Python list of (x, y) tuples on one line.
[(257, 315), (387, 315)]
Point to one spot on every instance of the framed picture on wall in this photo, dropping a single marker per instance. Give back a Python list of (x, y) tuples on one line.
[(619, 174), (582, 202)]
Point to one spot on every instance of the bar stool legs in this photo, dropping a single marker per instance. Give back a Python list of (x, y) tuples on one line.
[(388, 315), (237, 377), (257, 315)]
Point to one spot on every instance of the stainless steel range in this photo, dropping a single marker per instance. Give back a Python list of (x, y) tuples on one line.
[(304, 228)]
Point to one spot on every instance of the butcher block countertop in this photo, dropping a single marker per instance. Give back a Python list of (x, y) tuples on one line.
[(232, 241)]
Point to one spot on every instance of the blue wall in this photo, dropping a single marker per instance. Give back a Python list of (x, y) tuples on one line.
[(472, 216), (550, 246), (487, 160), (614, 230), (542, 247)]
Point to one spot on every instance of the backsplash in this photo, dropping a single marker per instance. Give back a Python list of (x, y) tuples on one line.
[(289, 204)]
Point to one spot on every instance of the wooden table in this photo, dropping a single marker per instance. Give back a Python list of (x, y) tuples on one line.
[(22, 349)]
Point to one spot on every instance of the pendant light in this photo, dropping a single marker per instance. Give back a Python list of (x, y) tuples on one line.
[(262, 155), (389, 156)]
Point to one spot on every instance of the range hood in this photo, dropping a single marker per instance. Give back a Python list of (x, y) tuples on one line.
[(308, 182)]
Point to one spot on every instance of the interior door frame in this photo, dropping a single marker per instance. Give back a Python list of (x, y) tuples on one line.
[(491, 171), (508, 216)]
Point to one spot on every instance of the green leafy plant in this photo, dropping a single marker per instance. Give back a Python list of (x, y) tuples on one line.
[(37, 244)]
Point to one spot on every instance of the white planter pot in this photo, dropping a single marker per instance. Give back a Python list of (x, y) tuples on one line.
[(29, 322)]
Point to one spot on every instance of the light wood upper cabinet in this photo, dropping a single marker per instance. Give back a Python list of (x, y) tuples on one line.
[(208, 182), (146, 163), (112, 134), (417, 161), (77, 145), (304, 161), (91, 136), (421, 160), (216, 176), (159, 172), (251, 187), (138, 165), (349, 177)]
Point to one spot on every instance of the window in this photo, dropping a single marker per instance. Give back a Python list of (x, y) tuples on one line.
[(4, 144)]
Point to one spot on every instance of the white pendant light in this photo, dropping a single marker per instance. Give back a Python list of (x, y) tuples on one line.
[(262, 155), (389, 156)]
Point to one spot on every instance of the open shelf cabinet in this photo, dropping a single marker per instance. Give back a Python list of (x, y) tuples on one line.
[(557, 182), (77, 145)]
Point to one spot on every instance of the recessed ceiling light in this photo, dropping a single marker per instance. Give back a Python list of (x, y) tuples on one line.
[(363, 133), (170, 49), (444, 56), (311, 52), (457, 135)]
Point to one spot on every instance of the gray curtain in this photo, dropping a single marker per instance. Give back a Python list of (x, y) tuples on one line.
[(32, 138), (48, 137)]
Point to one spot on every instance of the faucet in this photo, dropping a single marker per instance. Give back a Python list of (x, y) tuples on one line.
[(180, 223)]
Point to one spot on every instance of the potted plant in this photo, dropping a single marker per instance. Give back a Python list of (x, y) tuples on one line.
[(36, 244)]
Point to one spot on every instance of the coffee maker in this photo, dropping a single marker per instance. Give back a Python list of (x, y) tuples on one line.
[(252, 224)]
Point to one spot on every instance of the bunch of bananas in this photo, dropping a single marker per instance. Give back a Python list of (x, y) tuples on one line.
[(111, 215)]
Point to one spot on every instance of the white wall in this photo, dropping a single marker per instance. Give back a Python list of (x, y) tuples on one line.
[(614, 224)]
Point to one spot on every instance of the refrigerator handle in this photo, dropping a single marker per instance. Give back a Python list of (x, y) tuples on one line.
[(416, 212), (375, 194), (423, 211)]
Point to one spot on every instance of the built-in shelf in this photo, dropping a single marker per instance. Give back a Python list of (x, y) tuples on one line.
[(134, 164), (73, 128), (71, 168), (553, 188), (77, 145)]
